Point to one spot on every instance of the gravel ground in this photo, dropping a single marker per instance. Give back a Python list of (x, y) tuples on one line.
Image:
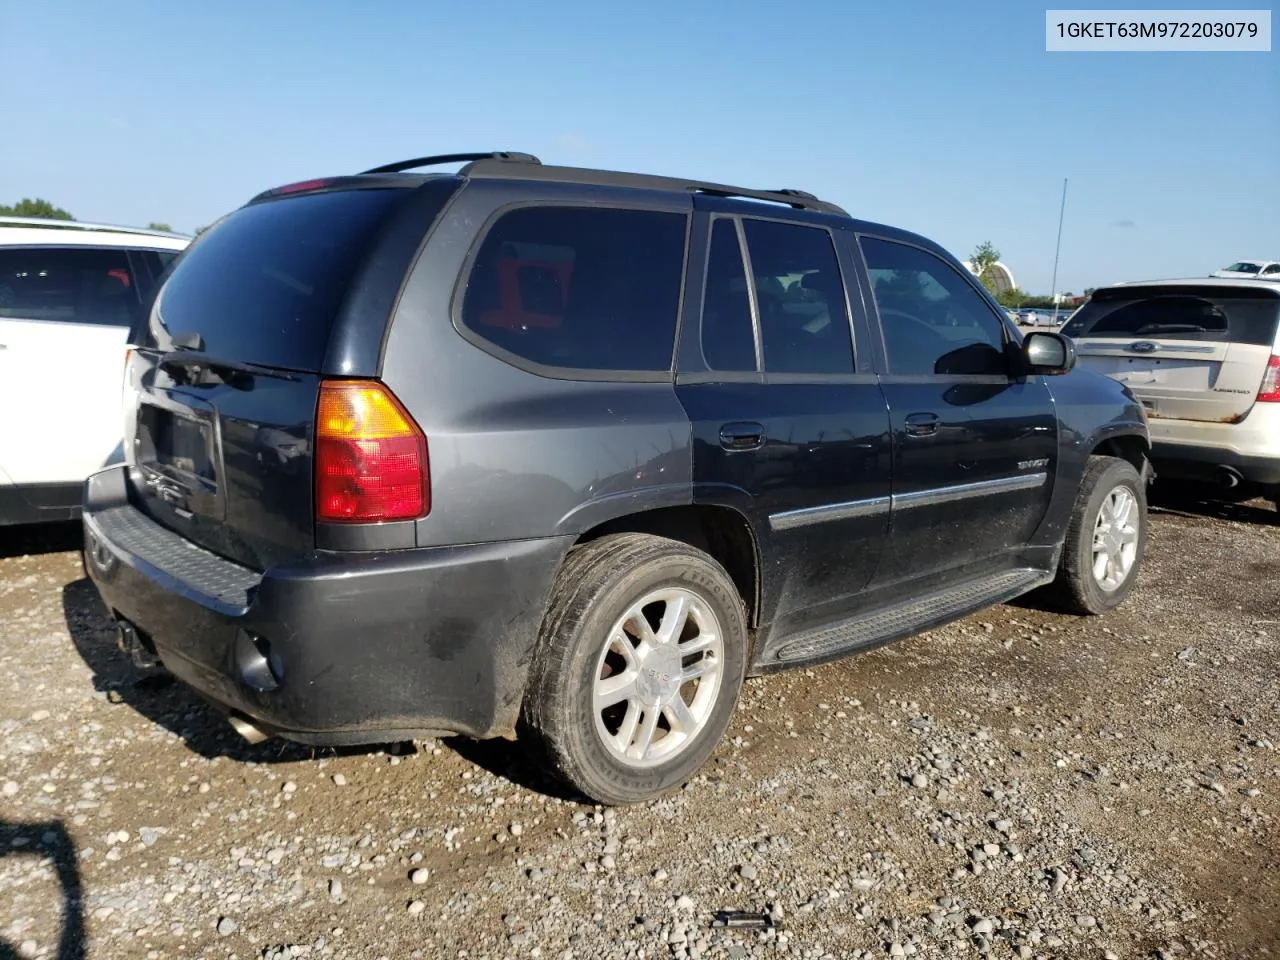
[(1021, 784)]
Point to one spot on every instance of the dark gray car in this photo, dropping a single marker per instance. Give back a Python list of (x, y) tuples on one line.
[(570, 452)]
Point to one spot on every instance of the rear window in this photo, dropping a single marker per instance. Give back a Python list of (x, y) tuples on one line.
[(579, 288), (1179, 313), (265, 284)]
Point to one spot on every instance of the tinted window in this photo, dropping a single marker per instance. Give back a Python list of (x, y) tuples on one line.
[(1272, 270), (804, 324), (728, 340), (583, 288), (264, 285), (934, 322), (76, 286), (1178, 313)]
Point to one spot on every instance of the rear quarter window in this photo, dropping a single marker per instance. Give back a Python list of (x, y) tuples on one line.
[(578, 288), (1178, 313), (265, 284)]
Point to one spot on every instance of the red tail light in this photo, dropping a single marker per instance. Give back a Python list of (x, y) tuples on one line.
[(370, 457), (1270, 390)]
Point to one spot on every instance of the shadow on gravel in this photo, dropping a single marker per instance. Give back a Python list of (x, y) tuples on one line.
[(517, 762), (160, 698), (38, 538), (1040, 600), (1194, 502), (50, 839)]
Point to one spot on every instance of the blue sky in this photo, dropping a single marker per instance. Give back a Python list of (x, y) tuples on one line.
[(945, 118)]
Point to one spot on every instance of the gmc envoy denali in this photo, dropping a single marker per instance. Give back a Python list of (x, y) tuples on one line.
[(569, 453)]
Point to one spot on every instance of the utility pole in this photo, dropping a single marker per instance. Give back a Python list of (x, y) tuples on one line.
[(1057, 250)]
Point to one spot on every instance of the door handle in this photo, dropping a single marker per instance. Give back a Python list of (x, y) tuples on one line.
[(921, 424), (742, 436)]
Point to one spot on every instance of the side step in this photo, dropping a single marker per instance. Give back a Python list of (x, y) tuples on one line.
[(912, 616)]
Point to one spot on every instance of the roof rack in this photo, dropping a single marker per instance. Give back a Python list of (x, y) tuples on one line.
[(50, 224), (488, 166), (499, 155)]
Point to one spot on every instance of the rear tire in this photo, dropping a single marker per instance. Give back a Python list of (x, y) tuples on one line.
[(1106, 539), (638, 667)]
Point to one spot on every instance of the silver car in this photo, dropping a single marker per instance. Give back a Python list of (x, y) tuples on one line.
[(1203, 356)]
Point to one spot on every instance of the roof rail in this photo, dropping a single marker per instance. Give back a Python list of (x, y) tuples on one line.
[(486, 167), (50, 224), (500, 155)]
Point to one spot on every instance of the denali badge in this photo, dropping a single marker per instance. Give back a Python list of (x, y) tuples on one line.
[(1033, 464), (170, 491)]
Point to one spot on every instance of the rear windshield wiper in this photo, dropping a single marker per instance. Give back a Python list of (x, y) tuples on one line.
[(220, 370), (187, 341)]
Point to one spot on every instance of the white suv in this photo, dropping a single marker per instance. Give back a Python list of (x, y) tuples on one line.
[(69, 293), (1203, 356)]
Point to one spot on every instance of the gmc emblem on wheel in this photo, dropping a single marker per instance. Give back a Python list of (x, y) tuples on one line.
[(1144, 346)]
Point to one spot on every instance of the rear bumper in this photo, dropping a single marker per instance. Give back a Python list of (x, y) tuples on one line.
[(1186, 461), (1196, 450), (39, 502), (1181, 461), (335, 648)]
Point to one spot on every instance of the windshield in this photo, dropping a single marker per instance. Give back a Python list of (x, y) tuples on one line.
[(1244, 266), (1179, 313)]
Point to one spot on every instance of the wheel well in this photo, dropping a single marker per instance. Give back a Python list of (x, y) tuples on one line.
[(1128, 447), (721, 532)]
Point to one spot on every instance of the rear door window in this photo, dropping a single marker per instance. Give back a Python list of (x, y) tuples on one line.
[(94, 286), (579, 288), (1178, 313), (804, 323), (265, 284)]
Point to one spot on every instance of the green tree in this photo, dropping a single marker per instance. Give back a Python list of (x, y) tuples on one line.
[(162, 227), (1013, 298), (900, 287), (983, 259), (26, 207)]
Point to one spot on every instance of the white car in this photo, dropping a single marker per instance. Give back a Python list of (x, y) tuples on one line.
[(69, 292), (1250, 270), (1203, 357)]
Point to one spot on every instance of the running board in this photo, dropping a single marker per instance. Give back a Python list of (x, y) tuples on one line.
[(904, 619)]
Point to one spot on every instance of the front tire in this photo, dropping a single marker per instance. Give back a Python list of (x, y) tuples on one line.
[(638, 667), (1106, 538)]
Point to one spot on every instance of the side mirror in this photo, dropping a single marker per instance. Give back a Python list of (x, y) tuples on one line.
[(1048, 354)]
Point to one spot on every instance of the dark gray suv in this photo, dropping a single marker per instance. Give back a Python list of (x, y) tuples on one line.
[(571, 452)]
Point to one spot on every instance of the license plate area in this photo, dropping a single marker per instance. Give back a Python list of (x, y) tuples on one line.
[(177, 455), (1174, 373), (179, 443)]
